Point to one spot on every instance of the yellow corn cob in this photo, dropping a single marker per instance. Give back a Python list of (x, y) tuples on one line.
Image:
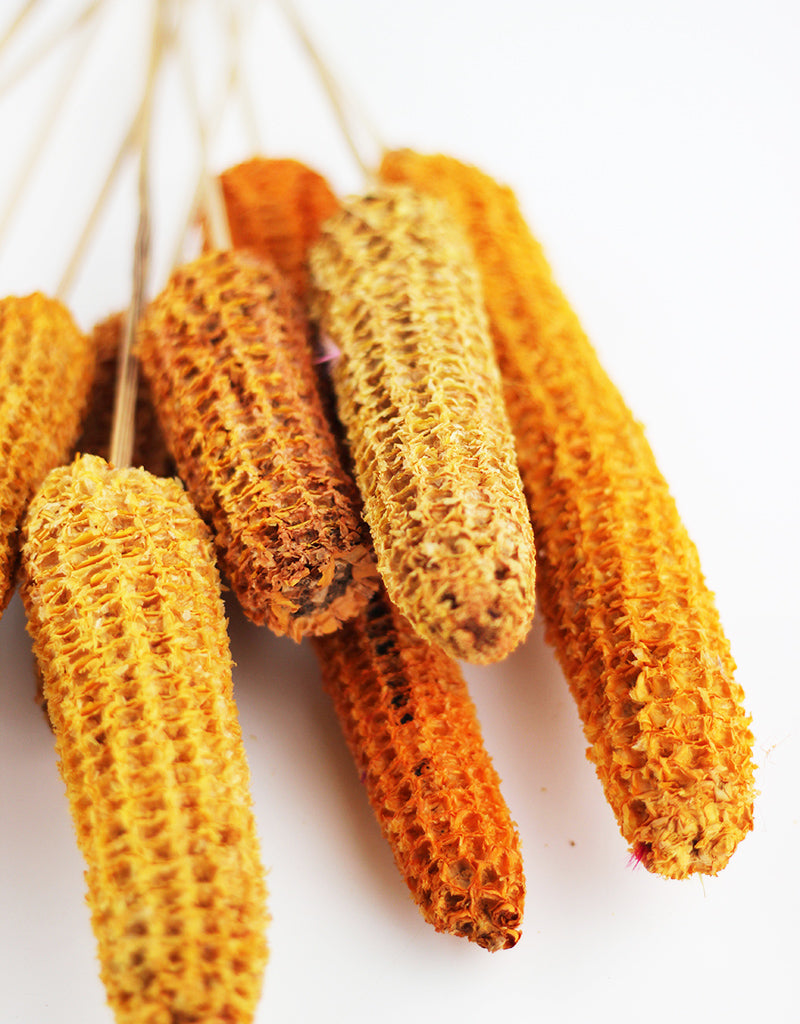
[(413, 732), (418, 391), (275, 209), (229, 362), (46, 370), (624, 599), (149, 450), (129, 631)]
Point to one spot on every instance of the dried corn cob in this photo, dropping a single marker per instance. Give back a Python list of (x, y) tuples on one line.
[(622, 592), (129, 631), (419, 394), (227, 355), (275, 209), (412, 729), (46, 370), (149, 449)]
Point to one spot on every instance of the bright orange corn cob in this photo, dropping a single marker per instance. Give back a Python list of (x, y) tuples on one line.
[(624, 599), (275, 209), (149, 450), (124, 607), (413, 732), (230, 366), (46, 370), (418, 391)]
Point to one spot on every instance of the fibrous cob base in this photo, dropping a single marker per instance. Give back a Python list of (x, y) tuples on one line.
[(621, 590), (124, 607), (413, 732)]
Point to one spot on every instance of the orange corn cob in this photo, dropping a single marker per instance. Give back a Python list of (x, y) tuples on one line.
[(228, 358), (413, 732), (623, 596), (275, 209), (418, 391), (46, 370), (124, 607), (149, 450)]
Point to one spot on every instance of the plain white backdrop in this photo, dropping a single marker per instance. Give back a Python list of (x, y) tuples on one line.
[(655, 150)]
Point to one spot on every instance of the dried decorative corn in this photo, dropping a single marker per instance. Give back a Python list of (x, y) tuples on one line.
[(150, 450), (275, 208), (412, 729), (46, 369), (418, 391), (129, 631), (226, 351), (621, 588)]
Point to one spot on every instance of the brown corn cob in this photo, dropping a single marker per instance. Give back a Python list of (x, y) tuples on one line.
[(413, 732), (124, 607), (275, 209), (624, 599), (149, 450), (419, 394), (46, 369), (229, 362)]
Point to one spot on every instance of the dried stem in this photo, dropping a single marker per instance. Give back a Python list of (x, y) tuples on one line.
[(50, 42), (123, 424), (335, 94), (212, 199), (58, 98)]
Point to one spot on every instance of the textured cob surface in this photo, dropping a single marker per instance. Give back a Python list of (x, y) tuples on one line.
[(149, 450), (46, 370), (275, 209), (129, 631), (227, 354), (396, 289), (621, 589), (413, 732)]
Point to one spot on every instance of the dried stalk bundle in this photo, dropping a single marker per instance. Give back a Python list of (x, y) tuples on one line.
[(46, 370), (275, 209), (418, 391), (413, 732), (227, 354), (149, 450), (124, 607), (624, 599)]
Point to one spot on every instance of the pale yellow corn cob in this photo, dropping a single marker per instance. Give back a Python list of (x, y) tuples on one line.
[(129, 631), (395, 287), (46, 370)]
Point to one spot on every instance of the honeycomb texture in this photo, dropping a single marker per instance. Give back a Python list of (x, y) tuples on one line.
[(149, 449), (275, 209), (419, 394), (129, 631), (413, 732), (46, 371), (227, 354), (624, 600)]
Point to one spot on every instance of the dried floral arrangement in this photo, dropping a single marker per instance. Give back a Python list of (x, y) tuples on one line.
[(379, 422)]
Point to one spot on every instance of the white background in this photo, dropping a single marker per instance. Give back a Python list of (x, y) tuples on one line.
[(654, 148)]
